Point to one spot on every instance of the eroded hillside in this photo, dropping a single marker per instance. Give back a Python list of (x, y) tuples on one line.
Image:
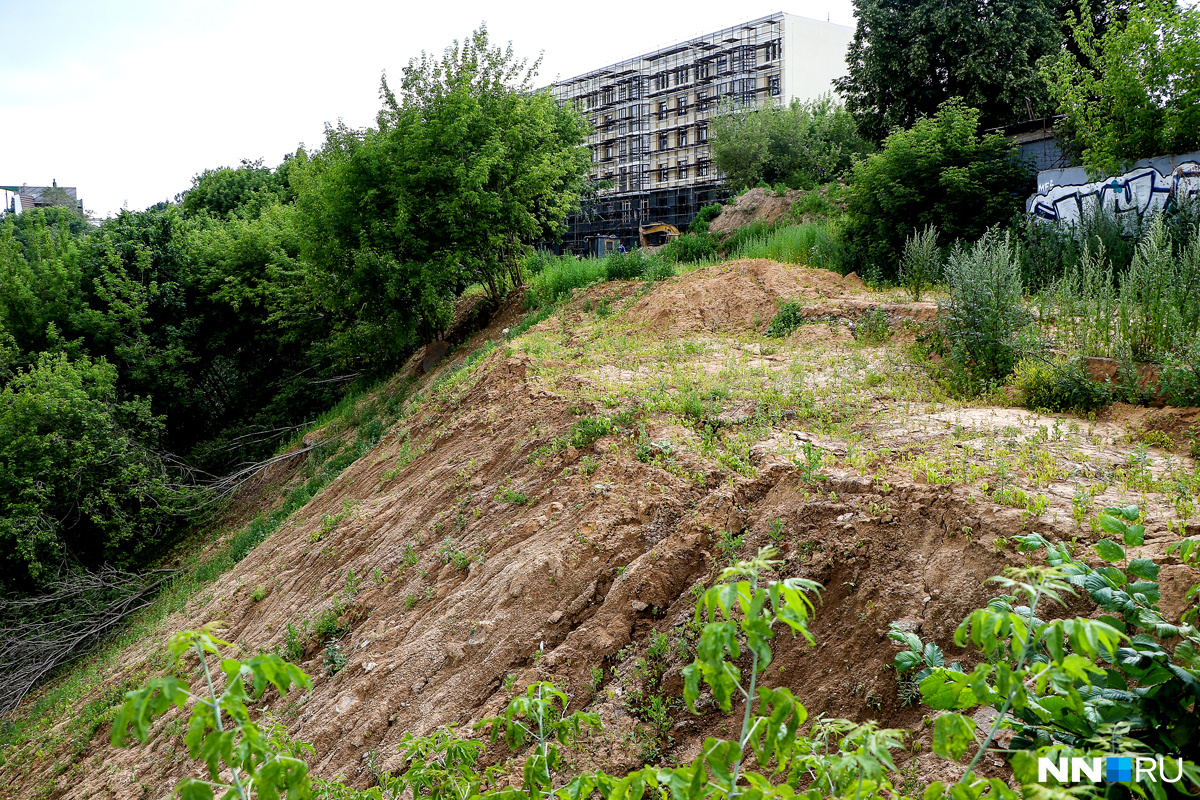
[(548, 504)]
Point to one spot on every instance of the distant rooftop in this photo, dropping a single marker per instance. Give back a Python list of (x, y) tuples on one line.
[(29, 197)]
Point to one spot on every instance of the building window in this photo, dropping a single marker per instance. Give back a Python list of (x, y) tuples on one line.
[(662, 141), (722, 64), (682, 137), (681, 105), (702, 132), (683, 172), (702, 169), (662, 173), (773, 85), (662, 109), (607, 151), (772, 50)]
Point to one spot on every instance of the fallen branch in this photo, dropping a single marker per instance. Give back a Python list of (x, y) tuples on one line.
[(41, 633)]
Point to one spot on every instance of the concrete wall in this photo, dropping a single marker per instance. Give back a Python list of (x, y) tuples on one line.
[(1065, 194), (815, 54)]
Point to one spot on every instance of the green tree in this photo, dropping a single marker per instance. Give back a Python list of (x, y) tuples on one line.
[(1132, 88), (484, 165), (467, 168), (908, 57), (246, 189), (79, 481), (801, 145), (939, 172)]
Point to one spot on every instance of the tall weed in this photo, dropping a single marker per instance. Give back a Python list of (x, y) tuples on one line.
[(1160, 296), (984, 313), (1079, 310), (921, 263), (790, 245)]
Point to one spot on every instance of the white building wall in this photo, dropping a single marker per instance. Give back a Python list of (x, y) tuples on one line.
[(814, 54)]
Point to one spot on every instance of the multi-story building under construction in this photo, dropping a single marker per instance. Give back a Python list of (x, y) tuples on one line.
[(650, 116)]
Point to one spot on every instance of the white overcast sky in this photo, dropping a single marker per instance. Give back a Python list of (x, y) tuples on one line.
[(128, 100)]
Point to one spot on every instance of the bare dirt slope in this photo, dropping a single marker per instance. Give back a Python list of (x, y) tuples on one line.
[(758, 205), (490, 540)]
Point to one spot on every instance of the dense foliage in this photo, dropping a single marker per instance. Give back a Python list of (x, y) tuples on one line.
[(1123, 683), (800, 145), (939, 172), (908, 58), (191, 337), (467, 168), (77, 480), (1131, 88)]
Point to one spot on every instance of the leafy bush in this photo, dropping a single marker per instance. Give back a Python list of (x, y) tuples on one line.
[(1179, 376), (79, 481), (830, 250), (798, 146), (814, 203), (690, 247), (939, 172), (1087, 686), (984, 313), (703, 217), (788, 318), (920, 265), (1059, 383), (626, 266)]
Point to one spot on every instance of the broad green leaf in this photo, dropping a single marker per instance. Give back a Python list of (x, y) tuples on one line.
[(1109, 550), (1144, 568), (1113, 525), (192, 789), (946, 689), (953, 733)]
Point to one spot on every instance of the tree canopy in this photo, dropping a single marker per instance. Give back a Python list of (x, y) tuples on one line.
[(467, 168), (910, 56), (77, 480), (939, 172), (802, 145), (1131, 88)]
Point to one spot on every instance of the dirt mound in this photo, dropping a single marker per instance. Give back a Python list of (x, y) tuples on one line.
[(756, 205), (737, 296), (485, 543)]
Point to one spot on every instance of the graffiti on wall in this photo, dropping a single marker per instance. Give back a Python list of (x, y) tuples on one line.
[(1141, 190)]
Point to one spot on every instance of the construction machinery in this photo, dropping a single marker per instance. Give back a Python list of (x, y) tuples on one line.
[(669, 232)]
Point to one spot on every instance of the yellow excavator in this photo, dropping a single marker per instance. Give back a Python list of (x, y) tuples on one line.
[(657, 227)]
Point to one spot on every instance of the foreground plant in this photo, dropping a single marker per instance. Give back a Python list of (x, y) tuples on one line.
[(837, 758), (1126, 684), (219, 730)]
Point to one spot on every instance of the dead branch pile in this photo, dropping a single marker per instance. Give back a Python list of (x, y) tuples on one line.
[(39, 634)]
